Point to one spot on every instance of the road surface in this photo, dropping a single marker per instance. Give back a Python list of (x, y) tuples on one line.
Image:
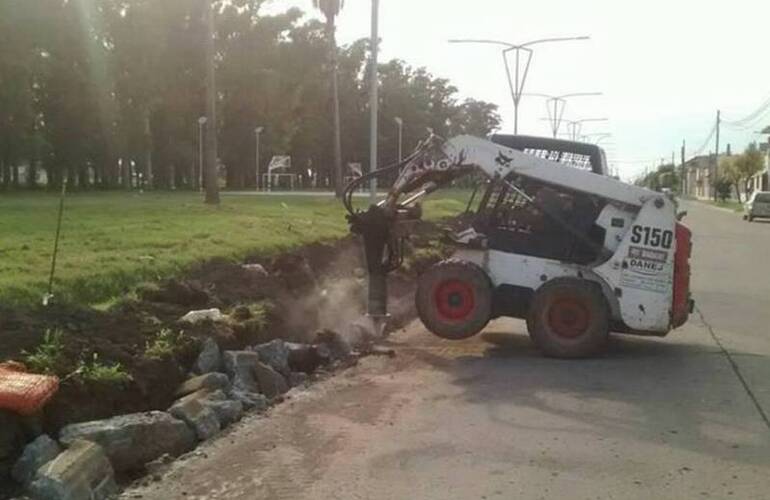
[(680, 417)]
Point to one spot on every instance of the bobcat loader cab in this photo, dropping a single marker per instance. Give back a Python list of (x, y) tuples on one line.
[(553, 241)]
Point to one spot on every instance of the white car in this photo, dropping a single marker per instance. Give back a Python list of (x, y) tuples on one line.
[(758, 206)]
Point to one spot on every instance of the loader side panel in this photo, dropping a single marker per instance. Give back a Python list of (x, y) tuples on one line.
[(641, 272)]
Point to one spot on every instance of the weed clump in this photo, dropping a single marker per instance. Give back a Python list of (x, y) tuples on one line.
[(423, 258), (166, 344), (94, 371), (250, 322), (49, 357)]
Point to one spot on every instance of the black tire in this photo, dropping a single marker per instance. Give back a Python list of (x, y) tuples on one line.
[(750, 218), (569, 318), (454, 299)]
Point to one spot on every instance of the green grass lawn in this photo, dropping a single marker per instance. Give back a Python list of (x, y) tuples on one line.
[(112, 241)]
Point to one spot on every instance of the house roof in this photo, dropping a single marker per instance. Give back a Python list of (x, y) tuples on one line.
[(703, 161)]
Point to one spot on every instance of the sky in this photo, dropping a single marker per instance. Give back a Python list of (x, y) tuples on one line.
[(664, 67)]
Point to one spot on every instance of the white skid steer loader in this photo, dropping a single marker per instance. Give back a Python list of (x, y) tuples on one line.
[(575, 253)]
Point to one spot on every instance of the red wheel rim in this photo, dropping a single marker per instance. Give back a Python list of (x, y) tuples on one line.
[(568, 317), (454, 299)]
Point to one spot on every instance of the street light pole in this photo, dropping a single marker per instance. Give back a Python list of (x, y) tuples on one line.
[(373, 99), (516, 83), (257, 133), (201, 123), (555, 106), (400, 125), (574, 126), (598, 136)]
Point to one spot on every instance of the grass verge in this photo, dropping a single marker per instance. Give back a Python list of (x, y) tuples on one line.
[(730, 205), (113, 241)]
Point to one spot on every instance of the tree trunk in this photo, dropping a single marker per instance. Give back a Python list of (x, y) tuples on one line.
[(5, 173), (210, 173), (83, 178), (32, 174), (149, 174), (738, 191), (337, 174), (71, 177)]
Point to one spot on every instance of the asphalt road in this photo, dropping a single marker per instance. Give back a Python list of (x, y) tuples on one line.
[(680, 417)]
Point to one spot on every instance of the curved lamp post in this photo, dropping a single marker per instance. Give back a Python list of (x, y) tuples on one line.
[(523, 57), (556, 104)]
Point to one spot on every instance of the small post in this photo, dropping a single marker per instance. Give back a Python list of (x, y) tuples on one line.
[(257, 133), (49, 294)]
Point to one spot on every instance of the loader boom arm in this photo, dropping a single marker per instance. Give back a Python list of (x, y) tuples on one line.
[(454, 157)]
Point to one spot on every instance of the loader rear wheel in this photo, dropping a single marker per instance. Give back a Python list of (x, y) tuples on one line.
[(454, 299), (569, 318)]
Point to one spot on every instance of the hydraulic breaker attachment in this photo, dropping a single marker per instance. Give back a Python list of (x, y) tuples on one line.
[(381, 251), (383, 233), (385, 225)]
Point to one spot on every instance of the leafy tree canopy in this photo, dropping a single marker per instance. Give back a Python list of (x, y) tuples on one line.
[(103, 91)]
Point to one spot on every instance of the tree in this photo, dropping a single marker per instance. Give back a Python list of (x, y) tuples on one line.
[(212, 158), (477, 118), (750, 163), (668, 177), (731, 172), (722, 188), (16, 91), (331, 9), (107, 93), (665, 176)]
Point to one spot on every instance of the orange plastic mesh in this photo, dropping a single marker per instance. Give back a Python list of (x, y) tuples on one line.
[(24, 393)]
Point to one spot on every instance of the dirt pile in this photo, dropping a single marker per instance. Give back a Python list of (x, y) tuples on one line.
[(291, 296)]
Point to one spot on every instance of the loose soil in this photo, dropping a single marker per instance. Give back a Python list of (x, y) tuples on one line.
[(320, 286)]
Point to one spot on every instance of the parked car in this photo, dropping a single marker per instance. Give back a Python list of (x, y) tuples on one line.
[(758, 206)]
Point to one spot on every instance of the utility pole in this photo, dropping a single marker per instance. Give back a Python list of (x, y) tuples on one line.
[(373, 98), (210, 174), (684, 172), (716, 157)]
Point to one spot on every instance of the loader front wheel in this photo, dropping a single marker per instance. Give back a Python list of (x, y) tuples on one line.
[(454, 299), (569, 318)]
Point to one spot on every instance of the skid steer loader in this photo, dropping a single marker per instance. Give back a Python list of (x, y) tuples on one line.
[(575, 253)]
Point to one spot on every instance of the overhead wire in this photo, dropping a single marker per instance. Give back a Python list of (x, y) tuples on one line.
[(699, 151), (752, 119)]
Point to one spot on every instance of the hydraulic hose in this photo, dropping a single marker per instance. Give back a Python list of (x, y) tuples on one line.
[(347, 196)]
